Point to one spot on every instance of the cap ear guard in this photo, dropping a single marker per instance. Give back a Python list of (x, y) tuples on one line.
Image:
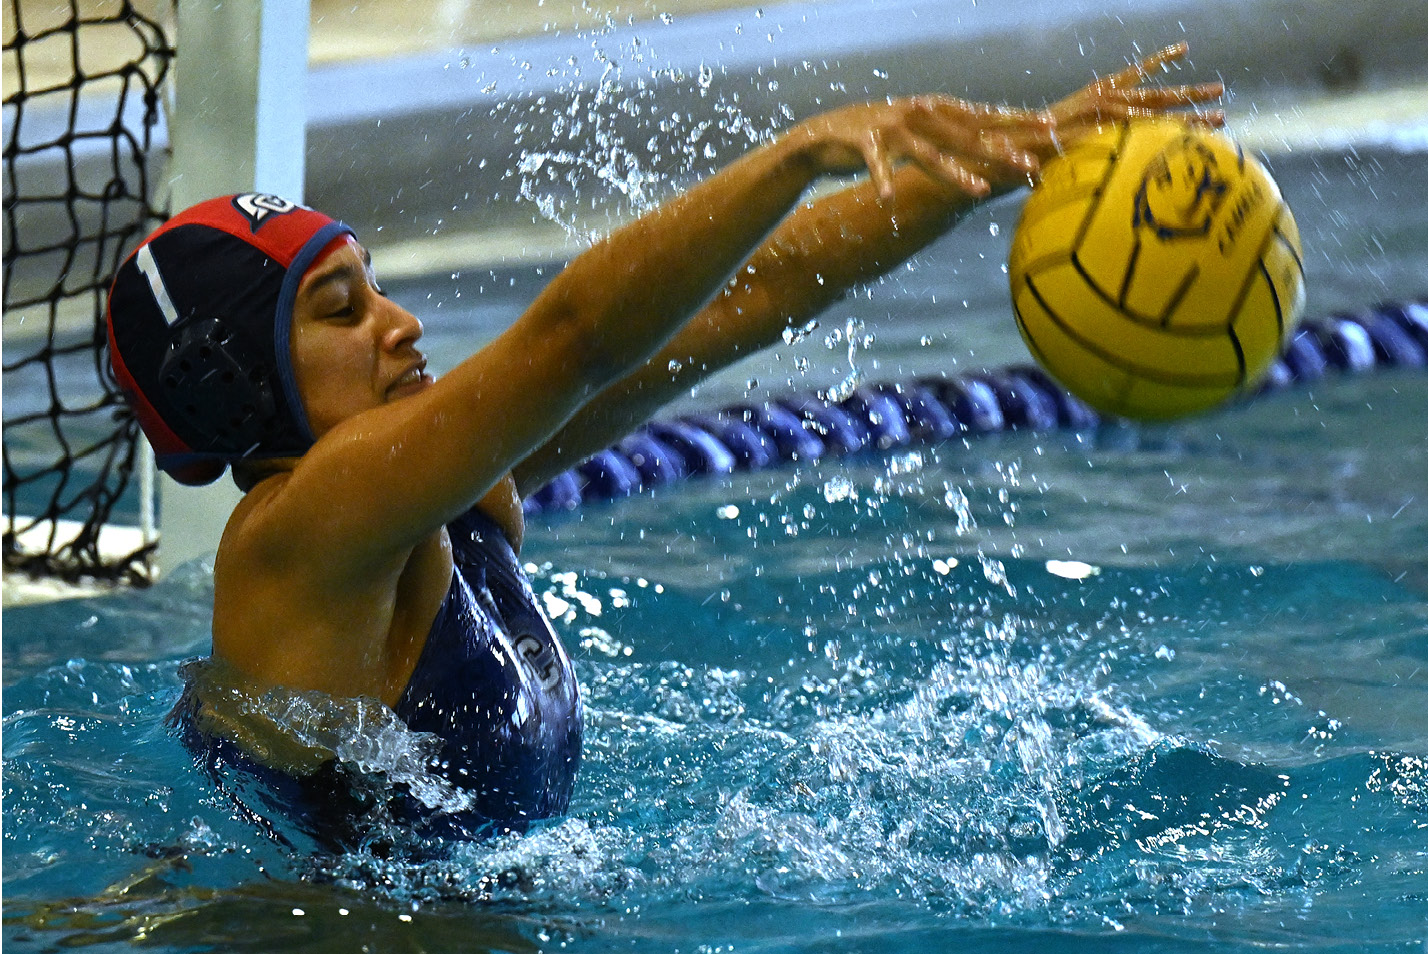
[(198, 324), (220, 388)]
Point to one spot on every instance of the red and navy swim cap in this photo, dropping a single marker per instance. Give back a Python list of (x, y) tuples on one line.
[(199, 318)]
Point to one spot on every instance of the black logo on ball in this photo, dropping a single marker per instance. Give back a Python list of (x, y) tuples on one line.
[(1181, 192)]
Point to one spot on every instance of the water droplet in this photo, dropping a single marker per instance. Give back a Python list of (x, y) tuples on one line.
[(994, 229), (792, 335), (838, 488)]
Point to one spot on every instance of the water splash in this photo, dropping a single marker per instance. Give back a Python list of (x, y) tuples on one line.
[(595, 151), (831, 723), (853, 337)]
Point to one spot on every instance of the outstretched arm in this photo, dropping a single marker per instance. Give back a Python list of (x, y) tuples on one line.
[(814, 257), (834, 244), (404, 468)]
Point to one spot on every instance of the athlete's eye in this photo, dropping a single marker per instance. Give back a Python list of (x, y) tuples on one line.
[(341, 311)]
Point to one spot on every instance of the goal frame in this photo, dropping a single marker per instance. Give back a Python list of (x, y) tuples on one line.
[(239, 124)]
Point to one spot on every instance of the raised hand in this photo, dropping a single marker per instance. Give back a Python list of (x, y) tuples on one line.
[(944, 137), (1122, 96), (975, 148)]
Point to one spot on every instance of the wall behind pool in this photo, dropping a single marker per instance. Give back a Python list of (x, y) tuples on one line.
[(429, 153), (427, 145)]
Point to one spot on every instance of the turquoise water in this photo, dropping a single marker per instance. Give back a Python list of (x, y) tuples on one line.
[(1147, 689)]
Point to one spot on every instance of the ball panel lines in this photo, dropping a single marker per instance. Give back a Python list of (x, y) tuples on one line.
[(1156, 270), (1157, 354)]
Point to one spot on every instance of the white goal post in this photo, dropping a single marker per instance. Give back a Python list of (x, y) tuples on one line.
[(239, 124)]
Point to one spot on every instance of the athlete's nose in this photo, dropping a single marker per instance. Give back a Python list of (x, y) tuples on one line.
[(403, 328)]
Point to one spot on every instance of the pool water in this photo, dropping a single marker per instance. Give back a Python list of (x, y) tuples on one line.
[(1140, 689)]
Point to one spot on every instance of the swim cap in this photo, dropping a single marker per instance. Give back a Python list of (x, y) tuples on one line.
[(199, 317)]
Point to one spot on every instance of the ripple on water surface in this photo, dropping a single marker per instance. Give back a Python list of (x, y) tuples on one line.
[(998, 750)]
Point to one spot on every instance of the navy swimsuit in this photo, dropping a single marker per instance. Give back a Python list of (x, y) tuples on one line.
[(493, 683)]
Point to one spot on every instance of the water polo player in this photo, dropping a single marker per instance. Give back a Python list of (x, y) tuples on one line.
[(374, 552)]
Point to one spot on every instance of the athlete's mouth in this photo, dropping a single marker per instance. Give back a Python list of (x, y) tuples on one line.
[(413, 377)]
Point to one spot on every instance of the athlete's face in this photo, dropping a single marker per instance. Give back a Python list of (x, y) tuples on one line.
[(353, 348)]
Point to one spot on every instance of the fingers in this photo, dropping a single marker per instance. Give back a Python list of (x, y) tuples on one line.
[(973, 147), (1164, 57), (879, 164), (943, 157), (958, 174), (1012, 157), (1123, 95), (947, 139), (1137, 72), (1210, 118), (984, 134), (1167, 97)]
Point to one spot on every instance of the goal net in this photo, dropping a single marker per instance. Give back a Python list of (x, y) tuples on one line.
[(84, 146)]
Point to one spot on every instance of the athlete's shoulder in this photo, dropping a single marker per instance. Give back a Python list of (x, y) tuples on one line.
[(502, 506), (256, 525)]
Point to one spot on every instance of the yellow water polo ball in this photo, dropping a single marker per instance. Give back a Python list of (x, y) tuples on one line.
[(1156, 270)]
